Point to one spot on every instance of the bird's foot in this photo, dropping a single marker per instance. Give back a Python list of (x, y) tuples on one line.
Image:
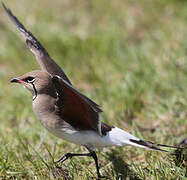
[(63, 158)]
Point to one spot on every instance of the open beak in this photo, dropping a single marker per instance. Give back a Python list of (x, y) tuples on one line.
[(16, 80)]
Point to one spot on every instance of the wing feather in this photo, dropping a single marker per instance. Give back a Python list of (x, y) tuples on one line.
[(75, 108), (45, 61)]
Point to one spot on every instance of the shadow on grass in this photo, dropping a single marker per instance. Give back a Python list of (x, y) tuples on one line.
[(181, 155), (59, 172), (121, 168)]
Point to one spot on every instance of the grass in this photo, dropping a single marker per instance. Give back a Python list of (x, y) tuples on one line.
[(128, 56)]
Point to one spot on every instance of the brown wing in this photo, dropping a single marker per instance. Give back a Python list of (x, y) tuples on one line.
[(42, 56), (76, 108), (105, 128)]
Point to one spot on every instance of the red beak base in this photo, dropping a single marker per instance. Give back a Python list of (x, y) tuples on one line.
[(16, 80)]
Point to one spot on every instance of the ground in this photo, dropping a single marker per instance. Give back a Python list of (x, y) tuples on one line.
[(128, 56)]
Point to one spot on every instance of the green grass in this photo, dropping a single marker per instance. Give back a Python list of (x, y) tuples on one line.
[(128, 56)]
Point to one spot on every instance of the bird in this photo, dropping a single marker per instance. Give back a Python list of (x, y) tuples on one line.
[(64, 111)]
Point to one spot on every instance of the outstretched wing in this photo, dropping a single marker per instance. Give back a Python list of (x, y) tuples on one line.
[(75, 108), (42, 56)]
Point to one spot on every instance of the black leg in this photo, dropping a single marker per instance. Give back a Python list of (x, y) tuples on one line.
[(93, 154), (70, 155), (90, 154)]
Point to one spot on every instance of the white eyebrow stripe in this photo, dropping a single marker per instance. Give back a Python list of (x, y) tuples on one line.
[(31, 80)]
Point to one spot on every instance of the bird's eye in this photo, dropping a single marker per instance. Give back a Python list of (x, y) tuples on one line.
[(30, 79)]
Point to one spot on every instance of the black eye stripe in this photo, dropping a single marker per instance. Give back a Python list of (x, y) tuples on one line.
[(30, 79)]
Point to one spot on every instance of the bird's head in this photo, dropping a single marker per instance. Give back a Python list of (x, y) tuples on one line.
[(37, 82)]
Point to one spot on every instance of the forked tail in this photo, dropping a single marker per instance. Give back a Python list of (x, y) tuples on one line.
[(153, 146), (120, 137)]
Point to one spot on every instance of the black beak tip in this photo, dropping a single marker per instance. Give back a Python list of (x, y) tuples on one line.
[(14, 80)]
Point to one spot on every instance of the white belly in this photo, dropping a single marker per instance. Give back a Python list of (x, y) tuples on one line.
[(91, 139)]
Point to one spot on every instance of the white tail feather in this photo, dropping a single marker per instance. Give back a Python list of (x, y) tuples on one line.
[(119, 137)]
